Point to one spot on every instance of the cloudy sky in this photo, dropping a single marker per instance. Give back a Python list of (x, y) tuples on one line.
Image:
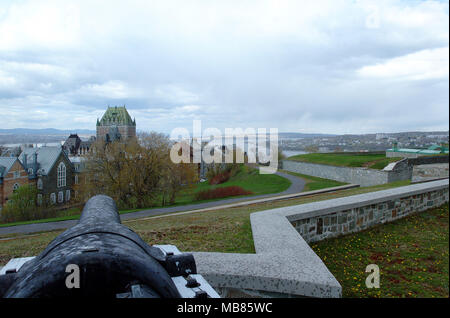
[(300, 66)]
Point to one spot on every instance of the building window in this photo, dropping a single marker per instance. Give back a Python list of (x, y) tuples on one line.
[(53, 198), (16, 174), (67, 195), (76, 179), (39, 199), (15, 187), (40, 185), (61, 175), (30, 171), (60, 197)]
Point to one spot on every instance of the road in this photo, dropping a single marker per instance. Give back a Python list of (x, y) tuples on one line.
[(297, 185)]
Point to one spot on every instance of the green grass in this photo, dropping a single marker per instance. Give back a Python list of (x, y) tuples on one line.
[(412, 254), (315, 183), (223, 230), (247, 178), (369, 160), (71, 214)]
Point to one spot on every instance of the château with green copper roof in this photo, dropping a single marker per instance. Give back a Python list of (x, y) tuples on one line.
[(116, 124), (116, 116)]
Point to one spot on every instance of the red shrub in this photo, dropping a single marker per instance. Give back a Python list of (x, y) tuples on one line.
[(220, 178), (221, 193)]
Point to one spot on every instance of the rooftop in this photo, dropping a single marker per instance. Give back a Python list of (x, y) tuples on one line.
[(46, 157), (117, 115), (6, 164)]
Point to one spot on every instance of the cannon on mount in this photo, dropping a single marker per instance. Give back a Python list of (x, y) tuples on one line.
[(110, 260)]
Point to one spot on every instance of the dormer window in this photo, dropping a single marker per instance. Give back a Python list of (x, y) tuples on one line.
[(30, 171)]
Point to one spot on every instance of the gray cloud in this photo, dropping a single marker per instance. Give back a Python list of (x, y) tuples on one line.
[(297, 66)]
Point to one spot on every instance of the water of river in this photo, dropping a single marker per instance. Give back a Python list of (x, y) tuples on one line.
[(289, 153)]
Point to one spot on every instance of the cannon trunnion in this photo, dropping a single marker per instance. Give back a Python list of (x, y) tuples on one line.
[(108, 260)]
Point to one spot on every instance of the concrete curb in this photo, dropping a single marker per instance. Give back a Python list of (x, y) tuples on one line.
[(234, 205)]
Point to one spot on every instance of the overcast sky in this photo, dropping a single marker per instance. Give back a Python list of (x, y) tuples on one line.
[(299, 66)]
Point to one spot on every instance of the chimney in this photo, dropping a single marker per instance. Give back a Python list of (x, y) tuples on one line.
[(35, 163)]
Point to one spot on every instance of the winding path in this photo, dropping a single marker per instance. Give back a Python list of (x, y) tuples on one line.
[(297, 185)]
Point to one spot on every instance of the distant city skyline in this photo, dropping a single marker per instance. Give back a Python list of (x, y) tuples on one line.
[(332, 67)]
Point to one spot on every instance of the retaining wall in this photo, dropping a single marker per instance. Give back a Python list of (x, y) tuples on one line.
[(430, 171), (355, 216), (362, 176), (284, 264), (428, 160)]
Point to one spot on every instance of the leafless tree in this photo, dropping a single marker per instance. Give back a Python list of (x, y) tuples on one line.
[(136, 173)]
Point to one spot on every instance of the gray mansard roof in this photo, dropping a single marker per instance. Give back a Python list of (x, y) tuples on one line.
[(46, 157), (6, 164)]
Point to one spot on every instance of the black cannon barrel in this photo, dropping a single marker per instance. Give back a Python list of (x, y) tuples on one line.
[(110, 258), (100, 209)]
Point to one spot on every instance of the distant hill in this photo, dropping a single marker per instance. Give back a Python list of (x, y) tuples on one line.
[(302, 135), (19, 136), (45, 131)]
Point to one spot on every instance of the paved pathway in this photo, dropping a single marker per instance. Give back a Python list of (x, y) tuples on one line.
[(297, 185)]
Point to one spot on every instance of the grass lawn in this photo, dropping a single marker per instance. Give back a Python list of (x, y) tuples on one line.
[(247, 178), (412, 254), (369, 160), (64, 215), (315, 183), (224, 230)]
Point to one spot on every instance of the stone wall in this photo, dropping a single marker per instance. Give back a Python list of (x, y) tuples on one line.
[(430, 172), (392, 154), (285, 265), (343, 220), (362, 176), (428, 160)]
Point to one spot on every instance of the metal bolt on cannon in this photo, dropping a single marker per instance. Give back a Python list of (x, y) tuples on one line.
[(109, 260)]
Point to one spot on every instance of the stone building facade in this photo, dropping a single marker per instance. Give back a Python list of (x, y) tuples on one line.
[(52, 172), (116, 124), (12, 176)]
